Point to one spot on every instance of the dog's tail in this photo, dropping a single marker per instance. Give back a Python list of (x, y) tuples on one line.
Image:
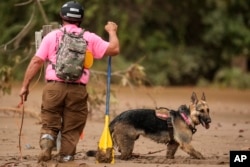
[(91, 153)]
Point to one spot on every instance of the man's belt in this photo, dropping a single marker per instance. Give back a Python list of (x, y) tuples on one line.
[(70, 83)]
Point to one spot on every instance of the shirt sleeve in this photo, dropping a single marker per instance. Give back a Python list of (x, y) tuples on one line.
[(97, 45), (48, 46), (42, 50)]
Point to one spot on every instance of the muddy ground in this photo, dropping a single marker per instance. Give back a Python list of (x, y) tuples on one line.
[(229, 130)]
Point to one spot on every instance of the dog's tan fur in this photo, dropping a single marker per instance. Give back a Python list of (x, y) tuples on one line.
[(126, 128)]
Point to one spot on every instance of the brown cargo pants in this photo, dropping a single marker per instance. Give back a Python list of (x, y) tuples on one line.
[(64, 108)]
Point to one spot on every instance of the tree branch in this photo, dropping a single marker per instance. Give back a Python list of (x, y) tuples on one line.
[(45, 19), (24, 3), (20, 35)]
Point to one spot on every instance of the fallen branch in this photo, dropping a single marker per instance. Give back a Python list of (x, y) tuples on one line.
[(21, 34), (154, 152)]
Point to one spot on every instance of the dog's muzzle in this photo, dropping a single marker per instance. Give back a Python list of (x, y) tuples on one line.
[(205, 122)]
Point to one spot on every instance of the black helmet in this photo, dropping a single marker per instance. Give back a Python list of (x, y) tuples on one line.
[(72, 11)]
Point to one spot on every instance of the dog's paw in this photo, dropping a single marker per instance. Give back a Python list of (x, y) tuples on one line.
[(198, 156), (125, 157)]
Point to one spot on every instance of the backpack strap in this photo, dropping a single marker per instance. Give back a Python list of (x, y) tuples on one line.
[(82, 32), (64, 32)]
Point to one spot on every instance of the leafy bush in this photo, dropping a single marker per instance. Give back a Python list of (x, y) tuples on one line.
[(5, 76), (232, 77), (178, 66)]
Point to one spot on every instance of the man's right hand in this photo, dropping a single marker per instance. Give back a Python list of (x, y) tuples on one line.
[(111, 27), (24, 92), (114, 46)]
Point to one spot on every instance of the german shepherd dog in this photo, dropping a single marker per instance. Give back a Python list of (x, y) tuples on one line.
[(175, 128)]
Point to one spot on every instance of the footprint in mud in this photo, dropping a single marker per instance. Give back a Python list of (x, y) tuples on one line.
[(213, 160)]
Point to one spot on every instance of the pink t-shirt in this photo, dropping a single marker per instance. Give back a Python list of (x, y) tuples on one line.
[(48, 47)]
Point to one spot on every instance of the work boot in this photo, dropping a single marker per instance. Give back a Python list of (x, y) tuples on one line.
[(46, 144), (67, 158)]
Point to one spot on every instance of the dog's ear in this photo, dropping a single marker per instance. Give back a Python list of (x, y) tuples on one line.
[(194, 98), (203, 97)]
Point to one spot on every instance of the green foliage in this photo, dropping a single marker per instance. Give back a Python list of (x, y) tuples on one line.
[(232, 77), (5, 77), (226, 27), (178, 66), (185, 42)]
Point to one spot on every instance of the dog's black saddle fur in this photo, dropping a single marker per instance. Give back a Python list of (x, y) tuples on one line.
[(144, 119)]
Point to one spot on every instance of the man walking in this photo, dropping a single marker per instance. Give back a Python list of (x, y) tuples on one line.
[(64, 102)]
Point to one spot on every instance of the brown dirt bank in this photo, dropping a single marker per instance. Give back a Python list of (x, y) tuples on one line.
[(229, 130)]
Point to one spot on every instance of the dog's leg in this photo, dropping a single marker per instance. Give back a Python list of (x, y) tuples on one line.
[(171, 149), (124, 139), (126, 146), (191, 151)]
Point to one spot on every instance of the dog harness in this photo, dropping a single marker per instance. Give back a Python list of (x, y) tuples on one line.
[(188, 121), (164, 114)]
